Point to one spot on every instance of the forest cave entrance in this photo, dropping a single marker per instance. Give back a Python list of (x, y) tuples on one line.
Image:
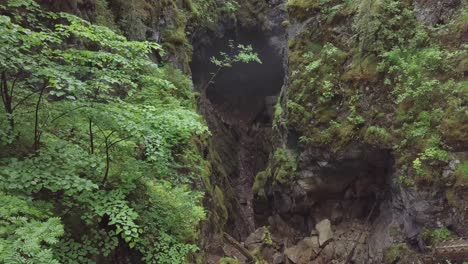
[(238, 106), (246, 92)]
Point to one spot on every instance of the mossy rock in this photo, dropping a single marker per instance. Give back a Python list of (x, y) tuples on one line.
[(284, 166), (437, 235), (220, 206), (303, 9), (259, 184), (362, 69), (453, 199), (253, 13), (461, 175), (377, 136)]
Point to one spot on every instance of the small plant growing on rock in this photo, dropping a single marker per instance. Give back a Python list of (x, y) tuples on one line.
[(377, 135), (437, 235), (238, 53)]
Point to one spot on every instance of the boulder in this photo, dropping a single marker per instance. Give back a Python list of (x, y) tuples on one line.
[(304, 251), (256, 239), (278, 258), (325, 232)]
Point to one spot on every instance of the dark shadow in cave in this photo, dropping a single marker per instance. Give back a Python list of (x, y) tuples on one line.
[(244, 93), (345, 188)]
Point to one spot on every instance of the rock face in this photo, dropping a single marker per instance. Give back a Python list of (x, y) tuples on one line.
[(357, 183), (433, 12)]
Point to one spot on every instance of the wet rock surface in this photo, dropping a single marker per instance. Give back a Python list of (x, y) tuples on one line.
[(433, 12), (343, 206)]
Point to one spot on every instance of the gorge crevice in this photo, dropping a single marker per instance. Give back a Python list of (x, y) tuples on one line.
[(303, 186), (238, 106)]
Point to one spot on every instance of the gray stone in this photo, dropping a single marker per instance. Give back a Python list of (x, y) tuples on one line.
[(325, 232), (432, 12), (453, 164), (447, 173), (303, 251), (278, 258), (255, 239), (322, 163)]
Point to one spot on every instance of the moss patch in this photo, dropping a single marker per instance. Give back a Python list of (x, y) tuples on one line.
[(437, 235), (395, 253), (302, 9)]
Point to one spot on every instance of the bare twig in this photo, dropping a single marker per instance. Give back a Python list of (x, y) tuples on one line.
[(66, 112)]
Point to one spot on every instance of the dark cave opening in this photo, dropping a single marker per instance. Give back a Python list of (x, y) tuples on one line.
[(348, 187), (246, 92)]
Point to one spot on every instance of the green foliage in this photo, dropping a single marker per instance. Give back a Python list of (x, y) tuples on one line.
[(395, 84), (405, 67), (168, 250), (281, 169), (395, 253), (377, 136), (97, 134), (284, 166), (324, 86), (278, 118), (97, 242), (209, 12), (104, 16), (26, 231), (239, 53), (303, 8), (35, 174), (259, 183), (132, 20), (437, 235), (462, 171)]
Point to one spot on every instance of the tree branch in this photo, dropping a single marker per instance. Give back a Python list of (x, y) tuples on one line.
[(22, 100), (66, 112), (118, 141)]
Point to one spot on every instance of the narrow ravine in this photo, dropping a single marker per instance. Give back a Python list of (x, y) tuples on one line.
[(238, 106), (243, 184)]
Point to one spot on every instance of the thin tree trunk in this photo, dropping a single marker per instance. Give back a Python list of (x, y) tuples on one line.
[(106, 174), (211, 79), (7, 100), (91, 137), (37, 133)]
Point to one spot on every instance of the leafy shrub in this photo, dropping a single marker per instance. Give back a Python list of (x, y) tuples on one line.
[(94, 132), (377, 136), (27, 233), (434, 236)]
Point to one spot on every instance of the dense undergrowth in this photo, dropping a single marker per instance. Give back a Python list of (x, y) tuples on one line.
[(138, 20), (99, 146), (392, 82)]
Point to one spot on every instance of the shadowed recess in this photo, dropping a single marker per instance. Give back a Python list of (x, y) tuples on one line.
[(243, 93)]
